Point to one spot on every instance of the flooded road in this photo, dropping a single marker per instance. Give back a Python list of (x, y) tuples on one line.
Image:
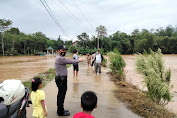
[(108, 105), (136, 79), (26, 67)]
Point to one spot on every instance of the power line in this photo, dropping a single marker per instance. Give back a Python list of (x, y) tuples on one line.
[(54, 18), (53, 15), (70, 12), (78, 8), (59, 2)]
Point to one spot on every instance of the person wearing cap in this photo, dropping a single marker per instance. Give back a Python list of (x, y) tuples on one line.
[(61, 78)]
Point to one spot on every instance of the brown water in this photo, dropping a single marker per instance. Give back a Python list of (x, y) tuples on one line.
[(136, 79), (24, 67)]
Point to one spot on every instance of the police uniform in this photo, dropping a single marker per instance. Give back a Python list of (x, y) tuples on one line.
[(61, 80)]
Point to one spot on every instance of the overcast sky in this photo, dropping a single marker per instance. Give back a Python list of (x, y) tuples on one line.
[(31, 16)]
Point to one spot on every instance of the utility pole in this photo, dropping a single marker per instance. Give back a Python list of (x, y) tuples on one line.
[(98, 37)]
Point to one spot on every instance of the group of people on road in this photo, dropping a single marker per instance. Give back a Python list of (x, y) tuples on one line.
[(88, 99), (94, 60)]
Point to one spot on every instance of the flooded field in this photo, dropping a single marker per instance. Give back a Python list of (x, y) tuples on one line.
[(26, 67)]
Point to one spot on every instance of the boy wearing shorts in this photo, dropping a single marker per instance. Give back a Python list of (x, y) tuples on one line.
[(75, 65)]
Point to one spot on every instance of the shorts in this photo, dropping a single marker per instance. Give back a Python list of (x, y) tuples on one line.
[(75, 67)]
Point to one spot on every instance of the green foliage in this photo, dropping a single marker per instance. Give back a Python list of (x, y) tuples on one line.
[(104, 62), (156, 78), (117, 63), (16, 42)]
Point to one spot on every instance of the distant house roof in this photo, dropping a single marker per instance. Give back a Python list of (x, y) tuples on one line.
[(49, 48)]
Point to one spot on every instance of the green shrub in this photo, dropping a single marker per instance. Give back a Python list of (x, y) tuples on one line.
[(117, 64), (104, 62), (156, 78)]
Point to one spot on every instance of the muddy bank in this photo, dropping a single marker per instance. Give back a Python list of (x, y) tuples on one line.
[(138, 102), (136, 79)]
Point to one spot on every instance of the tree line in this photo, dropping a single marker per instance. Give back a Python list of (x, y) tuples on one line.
[(16, 42), (137, 41)]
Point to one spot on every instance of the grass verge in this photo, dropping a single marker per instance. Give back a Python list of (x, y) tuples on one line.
[(137, 101), (46, 77)]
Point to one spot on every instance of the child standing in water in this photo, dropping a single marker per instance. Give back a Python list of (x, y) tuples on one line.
[(88, 60), (75, 65), (38, 99), (88, 103)]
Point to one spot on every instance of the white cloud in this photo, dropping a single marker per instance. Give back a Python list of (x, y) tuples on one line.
[(127, 15)]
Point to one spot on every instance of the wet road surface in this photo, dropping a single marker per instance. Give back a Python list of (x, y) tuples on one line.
[(108, 104)]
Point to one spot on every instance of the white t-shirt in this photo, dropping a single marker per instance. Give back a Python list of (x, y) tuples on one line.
[(98, 58), (75, 57)]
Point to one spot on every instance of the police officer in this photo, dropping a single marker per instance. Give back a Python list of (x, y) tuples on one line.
[(61, 78)]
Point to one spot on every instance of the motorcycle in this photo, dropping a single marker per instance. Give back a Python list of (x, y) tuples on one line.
[(15, 109)]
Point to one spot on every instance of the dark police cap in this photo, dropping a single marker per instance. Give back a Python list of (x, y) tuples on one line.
[(62, 47)]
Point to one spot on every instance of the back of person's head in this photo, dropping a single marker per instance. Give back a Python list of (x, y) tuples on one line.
[(89, 101), (75, 51), (35, 83)]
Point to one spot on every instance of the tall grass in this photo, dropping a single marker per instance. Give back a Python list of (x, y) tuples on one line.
[(156, 77), (104, 62), (117, 64)]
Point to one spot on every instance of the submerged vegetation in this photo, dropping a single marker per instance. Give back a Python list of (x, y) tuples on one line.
[(156, 77)]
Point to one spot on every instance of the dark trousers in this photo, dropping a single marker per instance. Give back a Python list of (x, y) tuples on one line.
[(97, 67), (93, 62), (61, 83)]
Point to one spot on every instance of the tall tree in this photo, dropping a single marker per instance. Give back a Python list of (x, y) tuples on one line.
[(4, 24), (101, 32), (83, 39)]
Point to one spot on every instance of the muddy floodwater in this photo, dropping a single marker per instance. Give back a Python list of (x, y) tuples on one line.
[(26, 67), (136, 79)]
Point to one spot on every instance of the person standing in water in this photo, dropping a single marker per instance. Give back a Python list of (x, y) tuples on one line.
[(61, 78), (93, 58), (98, 62), (89, 60), (75, 65)]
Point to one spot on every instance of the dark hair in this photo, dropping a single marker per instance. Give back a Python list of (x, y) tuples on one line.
[(74, 51), (35, 83), (88, 100), (98, 50)]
